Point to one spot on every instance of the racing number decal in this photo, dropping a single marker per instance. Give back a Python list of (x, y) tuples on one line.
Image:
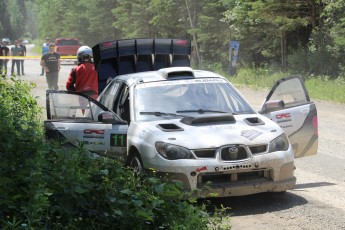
[(118, 140)]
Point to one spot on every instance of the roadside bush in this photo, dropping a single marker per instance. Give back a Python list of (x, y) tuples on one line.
[(46, 186), (101, 194), (21, 140), (319, 62)]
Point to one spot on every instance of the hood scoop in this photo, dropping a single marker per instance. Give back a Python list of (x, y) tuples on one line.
[(221, 118), (169, 127), (253, 121)]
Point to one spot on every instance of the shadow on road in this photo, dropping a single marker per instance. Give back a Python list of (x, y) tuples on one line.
[(262, 202), (313, 185), (255, 204)]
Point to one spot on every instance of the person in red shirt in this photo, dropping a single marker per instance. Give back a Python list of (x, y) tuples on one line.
[(84, 77)]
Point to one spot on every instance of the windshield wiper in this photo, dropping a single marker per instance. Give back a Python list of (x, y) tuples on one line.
[(201, 111), (160, 114)]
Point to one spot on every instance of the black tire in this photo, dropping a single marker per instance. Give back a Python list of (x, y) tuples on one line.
[(135, 162)]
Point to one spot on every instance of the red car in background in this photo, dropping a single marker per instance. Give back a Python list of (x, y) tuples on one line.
[(67, 47)]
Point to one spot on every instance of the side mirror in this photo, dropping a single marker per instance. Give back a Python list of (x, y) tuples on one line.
[(270, 106), (109, 118)]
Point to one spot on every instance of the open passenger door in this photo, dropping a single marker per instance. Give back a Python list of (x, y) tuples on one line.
[(74, 118), (289, 105)]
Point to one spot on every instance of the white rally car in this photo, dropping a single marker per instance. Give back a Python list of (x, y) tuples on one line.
[(191, 124)]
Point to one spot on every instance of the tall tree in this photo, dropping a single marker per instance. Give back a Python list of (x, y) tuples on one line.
[(51, 17), (132, 20), (334, 19), (270, 23), (17, 18), (5, 25), (169, 18), (100, 21), (213, 34)]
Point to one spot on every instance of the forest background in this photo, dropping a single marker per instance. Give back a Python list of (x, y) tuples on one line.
[(304, 36)]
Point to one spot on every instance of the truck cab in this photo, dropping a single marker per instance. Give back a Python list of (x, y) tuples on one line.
[(67, 48)]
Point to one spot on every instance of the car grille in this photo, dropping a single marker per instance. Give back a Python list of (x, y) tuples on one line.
[(234, 178), (229, 153), (233, 153)]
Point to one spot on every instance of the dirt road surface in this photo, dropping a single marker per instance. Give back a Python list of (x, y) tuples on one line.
[(318, 200)]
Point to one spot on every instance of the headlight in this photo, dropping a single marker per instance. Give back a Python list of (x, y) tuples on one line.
[(281, 143), (173, 152)]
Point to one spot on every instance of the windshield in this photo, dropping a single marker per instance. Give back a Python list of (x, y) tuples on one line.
[(175, 99)]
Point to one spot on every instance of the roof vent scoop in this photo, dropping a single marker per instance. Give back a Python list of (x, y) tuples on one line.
[(253, 121), (177, 73)]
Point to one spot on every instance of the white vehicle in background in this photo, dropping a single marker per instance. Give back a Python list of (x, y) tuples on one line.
[(6, 41), (191, 124), (25, 42)]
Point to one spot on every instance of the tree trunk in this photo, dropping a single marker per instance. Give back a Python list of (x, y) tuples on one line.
[(283, 49)]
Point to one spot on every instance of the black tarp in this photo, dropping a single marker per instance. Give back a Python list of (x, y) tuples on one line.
[(126, 56)]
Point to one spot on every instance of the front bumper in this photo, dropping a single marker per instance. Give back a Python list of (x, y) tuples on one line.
[(248, 187), (272, 172)]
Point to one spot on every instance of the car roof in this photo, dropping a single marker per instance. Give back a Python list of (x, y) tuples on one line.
[(163, 75)]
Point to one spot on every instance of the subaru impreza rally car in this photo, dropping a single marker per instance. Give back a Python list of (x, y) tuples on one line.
[(191, 124)]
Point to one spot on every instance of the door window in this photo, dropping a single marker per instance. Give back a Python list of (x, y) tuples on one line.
[(292, 92), (109, 95), (121, 106), (71, 105)]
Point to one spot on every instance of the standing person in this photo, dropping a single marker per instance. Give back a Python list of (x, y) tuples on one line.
[(15, 51), (50, 62), (84, 78), (2, 54), (7, 53), (45, 50), (22, 53)]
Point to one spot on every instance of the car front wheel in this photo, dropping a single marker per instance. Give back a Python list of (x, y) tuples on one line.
[(134, 162)]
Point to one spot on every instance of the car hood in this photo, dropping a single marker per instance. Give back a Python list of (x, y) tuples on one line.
[(210, 131)]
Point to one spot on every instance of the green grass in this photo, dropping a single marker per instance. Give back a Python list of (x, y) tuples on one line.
[(325, 89), (319, 87)]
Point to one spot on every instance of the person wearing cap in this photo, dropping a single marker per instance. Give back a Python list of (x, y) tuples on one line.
[(50, 62), (15, 51), (22, 52), (45, 50)]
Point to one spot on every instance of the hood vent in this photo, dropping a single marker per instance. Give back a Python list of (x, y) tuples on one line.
[(223, 118), (169, 127), (253, 121)]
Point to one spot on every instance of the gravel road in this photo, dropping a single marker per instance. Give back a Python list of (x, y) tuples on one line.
[(318, 200)]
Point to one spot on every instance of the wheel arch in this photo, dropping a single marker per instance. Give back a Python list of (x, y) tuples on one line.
[(131, 152)]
